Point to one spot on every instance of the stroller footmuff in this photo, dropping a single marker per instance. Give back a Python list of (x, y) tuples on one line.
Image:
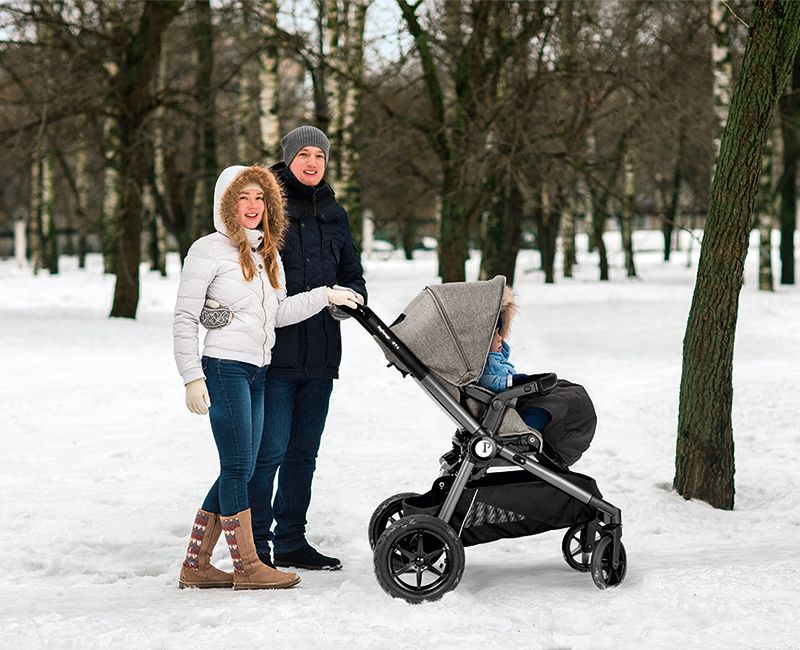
[(442, 340)]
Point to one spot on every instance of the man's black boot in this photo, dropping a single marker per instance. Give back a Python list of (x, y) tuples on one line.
[(307, 557)]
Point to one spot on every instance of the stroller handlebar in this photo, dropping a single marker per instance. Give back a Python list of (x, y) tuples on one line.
[(378, 329)]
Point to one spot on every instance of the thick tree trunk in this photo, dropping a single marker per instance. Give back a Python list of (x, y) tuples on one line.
[(453, 237), (502, 230), (790, 133), (704, 462), (132, 96)]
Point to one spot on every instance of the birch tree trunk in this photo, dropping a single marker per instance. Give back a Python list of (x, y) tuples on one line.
[(108, 226), (628, 208), (37, 239), (704, 460), (269, 97), (765, 219), (82, 185), (350, 154)]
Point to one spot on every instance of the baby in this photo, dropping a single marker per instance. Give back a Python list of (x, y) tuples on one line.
[(499, 373)]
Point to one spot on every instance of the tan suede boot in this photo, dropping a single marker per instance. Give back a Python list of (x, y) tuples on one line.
[(248, 571), (197, 570)]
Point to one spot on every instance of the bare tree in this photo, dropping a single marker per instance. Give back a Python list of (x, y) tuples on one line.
[(704, 463)]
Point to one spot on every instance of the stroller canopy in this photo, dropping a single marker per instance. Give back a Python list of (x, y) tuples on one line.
[(449, 327)]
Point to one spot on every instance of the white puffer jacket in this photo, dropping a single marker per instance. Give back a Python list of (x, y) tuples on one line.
[(212, 270)]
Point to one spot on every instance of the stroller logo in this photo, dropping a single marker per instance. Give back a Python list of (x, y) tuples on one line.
[(483, 448), (387, 338)]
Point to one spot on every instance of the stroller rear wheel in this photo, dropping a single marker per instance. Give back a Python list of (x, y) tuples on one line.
[(387, 513), (575, 548), (419, 558), (604, 573)]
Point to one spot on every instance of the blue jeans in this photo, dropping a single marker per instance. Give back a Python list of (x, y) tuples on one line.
[(294, 418), (236, 390)]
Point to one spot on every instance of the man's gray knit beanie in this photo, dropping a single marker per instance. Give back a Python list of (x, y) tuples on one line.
[(304, 136)]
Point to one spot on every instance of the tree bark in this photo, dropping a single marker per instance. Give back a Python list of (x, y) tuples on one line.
[(503, 229), (790, 133), (140, 61), (704, 462), (207, 167)]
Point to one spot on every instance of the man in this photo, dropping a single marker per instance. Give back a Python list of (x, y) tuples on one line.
[(318, 250)]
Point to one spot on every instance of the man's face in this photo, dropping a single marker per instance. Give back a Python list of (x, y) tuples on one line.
[(308, 166)]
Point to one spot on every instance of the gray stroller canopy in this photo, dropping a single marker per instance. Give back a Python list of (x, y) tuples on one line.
[(449, 327)]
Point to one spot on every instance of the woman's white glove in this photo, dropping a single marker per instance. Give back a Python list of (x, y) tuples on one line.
[(342, 296), (340, 314), (197, 399)]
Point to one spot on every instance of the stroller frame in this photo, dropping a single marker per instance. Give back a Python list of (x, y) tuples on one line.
[(477, 447)]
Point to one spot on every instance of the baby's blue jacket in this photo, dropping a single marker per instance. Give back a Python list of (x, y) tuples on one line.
[(498, 371)]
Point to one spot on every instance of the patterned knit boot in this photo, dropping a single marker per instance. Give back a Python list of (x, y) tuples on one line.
[(248, 571), (197, 570)]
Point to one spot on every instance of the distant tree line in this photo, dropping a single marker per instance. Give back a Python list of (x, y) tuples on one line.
[(473, 121)]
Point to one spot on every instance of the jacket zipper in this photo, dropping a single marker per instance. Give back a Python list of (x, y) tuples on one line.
[(263, 309)]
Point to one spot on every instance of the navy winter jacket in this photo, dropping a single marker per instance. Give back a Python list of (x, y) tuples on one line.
[(318, 250)]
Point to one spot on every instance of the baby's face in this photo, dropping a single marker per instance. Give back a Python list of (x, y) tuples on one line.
[(497, 343)]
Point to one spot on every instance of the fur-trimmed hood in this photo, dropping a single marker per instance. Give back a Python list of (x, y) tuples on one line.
[(226, 192), (508, 308)]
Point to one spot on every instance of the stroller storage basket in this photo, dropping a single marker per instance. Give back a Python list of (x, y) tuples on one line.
[(509, 504)]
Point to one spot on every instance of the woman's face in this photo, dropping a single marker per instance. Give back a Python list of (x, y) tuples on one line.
[(308, 166), (250, 209)]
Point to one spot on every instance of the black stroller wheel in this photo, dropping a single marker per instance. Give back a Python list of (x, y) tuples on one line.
[(603, 572), (573, 546), (419, 558), (387, 513)]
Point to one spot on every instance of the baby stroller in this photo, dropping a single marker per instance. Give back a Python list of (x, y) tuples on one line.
[(442, 340)]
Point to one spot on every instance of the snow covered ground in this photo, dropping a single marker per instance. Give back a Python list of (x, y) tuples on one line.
[(103, 469)]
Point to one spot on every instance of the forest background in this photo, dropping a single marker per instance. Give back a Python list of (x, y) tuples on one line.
[(483, 125)]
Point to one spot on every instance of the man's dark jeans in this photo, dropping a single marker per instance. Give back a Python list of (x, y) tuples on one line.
[(236, 390), (294, 417)]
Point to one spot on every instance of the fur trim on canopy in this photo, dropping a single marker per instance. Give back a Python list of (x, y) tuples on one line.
[(508, 308)]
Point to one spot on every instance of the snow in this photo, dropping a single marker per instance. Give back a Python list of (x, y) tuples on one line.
[(103, 469)]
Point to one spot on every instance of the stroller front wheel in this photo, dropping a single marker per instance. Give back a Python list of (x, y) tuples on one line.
[(419, 558), (387, 513), (604, 573)]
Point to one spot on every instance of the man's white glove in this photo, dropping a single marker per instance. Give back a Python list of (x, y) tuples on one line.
[(197, 399), (344, 296)]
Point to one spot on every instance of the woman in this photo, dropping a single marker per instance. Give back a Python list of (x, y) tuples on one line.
[(239, 267)]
